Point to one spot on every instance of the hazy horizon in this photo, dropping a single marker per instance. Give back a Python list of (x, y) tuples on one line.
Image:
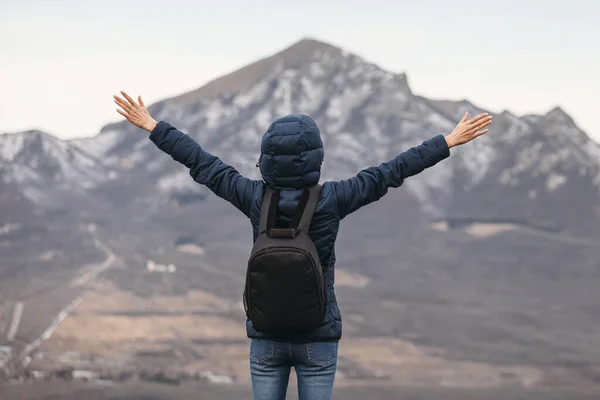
[(64, 60)]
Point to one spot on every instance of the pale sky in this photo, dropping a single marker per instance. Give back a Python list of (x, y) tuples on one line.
[(61, 60)]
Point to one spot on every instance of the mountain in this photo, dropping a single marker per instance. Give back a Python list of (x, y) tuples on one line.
[(522, 171), (489, 257), (526, 171), (49, 171)]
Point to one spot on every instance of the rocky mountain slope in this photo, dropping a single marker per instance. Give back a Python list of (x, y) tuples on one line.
[(490, 256), (523, 171)]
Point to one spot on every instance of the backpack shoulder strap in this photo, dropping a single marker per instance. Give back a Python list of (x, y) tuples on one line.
[(268, 209), (306, 208)]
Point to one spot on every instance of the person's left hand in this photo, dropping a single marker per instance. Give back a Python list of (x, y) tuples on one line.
[(135, 113)]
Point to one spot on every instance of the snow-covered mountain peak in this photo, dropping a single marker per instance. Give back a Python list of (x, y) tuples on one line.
[(558, 115), (12, 144), (366, 115), (40, 159)]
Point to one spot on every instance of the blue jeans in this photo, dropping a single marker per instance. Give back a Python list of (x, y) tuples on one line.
[(270, 363)]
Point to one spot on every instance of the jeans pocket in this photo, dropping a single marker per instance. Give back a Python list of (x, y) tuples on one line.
[(261, 350), (323, 354)]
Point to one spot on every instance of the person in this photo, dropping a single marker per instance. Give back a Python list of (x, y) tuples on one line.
[(290, 160)]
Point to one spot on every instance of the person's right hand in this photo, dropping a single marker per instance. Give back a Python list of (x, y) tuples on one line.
[(466, 131)]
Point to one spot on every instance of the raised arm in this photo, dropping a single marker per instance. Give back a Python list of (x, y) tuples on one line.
[(373, 183), (205, 168)]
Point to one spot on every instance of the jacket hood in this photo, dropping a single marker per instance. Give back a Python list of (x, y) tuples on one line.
[(291, 153)]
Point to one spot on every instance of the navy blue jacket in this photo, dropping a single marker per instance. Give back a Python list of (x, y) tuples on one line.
[(291, 158)]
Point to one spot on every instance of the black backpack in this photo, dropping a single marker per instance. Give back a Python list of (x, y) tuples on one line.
[(284, 281)]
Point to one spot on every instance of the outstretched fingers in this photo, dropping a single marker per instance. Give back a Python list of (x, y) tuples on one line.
[(476, 120), (129, 99), (482, 123), (123, 113), (125, 109), (122, 103)]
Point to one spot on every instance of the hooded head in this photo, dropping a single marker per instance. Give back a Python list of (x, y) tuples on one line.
[(291, 153)]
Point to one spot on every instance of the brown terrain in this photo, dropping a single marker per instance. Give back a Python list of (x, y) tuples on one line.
[(120, 278), (120, 330)]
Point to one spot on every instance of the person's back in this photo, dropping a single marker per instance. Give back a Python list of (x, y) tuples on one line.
[(290, 161), (291, 158)]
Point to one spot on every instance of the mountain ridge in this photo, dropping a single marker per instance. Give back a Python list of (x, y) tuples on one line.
[(481, 258), (366, 115)]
